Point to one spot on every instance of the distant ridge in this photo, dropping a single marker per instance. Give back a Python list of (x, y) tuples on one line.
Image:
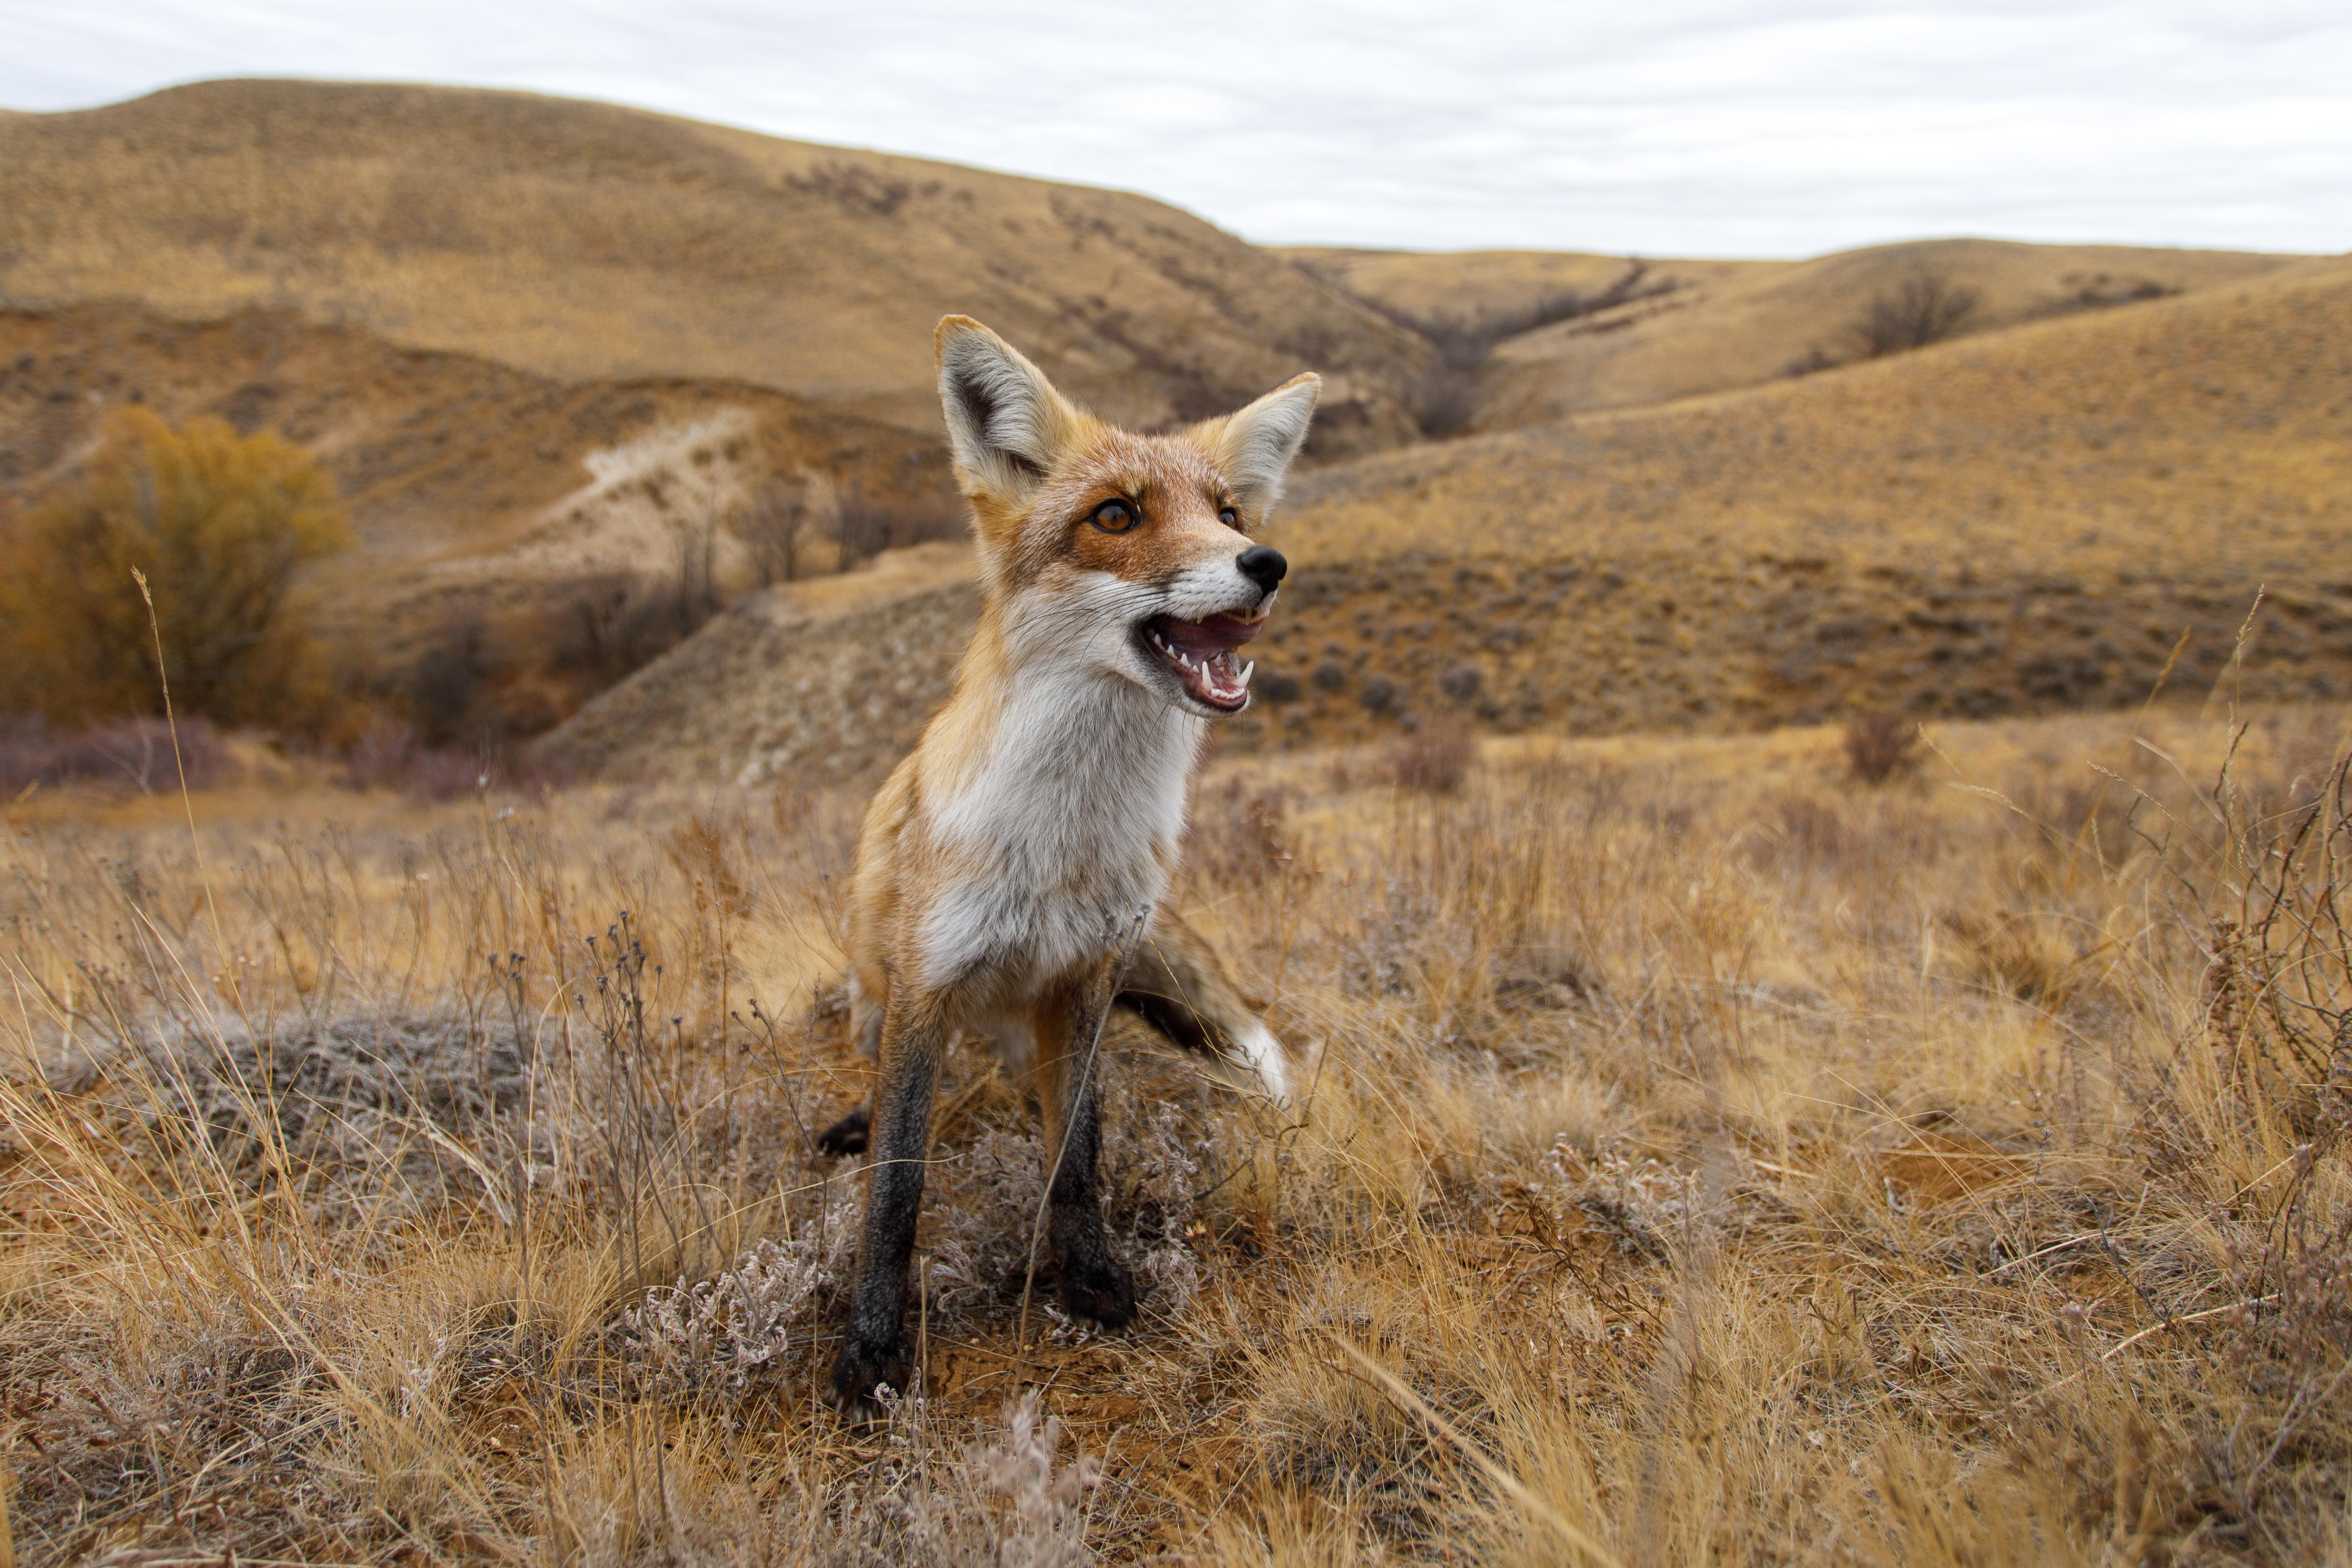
[(580, 239), (1695, 326)]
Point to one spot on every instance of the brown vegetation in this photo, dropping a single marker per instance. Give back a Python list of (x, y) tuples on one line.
[(1437, 757), (1926, 308), (182, 544), (1880, 746), (1703, 1159)]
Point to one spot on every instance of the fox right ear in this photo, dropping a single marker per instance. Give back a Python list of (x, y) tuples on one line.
[(1006, 425)]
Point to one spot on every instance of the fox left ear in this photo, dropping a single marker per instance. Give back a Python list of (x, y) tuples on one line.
[(1257, 446), (1006, 425)]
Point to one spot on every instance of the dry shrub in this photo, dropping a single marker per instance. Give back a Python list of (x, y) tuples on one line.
[(1437, 757), (220, 525), (1926, 308), (389, 757), (866, 523), (1879, 746), (2281, 984), (775, 528), (137, 753)]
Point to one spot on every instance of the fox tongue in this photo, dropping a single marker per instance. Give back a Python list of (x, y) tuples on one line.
[(1201, 655), (1211, 635)]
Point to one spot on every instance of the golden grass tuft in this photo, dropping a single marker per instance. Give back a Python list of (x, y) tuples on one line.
[(1704, 1157)]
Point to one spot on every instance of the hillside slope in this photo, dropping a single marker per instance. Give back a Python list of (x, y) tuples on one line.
[(465, 478), (578, 241), (1744, 327), (1704, 326), (2029, 521), (1478, 288)]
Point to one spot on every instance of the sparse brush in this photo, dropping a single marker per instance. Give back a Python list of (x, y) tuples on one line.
[(129, 754), (1925, 308), (1437, 757), (1880, 746)]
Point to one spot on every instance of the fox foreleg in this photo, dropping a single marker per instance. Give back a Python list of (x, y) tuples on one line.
[(914, 1035), (1068, 1026)]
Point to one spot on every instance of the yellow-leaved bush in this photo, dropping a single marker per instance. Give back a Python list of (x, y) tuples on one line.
[(221, 525)]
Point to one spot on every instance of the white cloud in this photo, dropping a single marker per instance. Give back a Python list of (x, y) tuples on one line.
[(1688, 128)]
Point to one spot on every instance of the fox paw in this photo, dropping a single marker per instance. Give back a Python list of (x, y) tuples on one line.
[(1102, 1292), (846, 1136), (861, 1369)]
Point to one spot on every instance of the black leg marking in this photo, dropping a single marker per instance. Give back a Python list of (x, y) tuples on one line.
[(846, 1136), (875, 1351), (1090, 1281)]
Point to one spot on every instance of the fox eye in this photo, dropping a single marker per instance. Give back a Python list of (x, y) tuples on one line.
[(1114, 517), (1229, 517)]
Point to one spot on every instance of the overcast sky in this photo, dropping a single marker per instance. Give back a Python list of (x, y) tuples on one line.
[(1663, 127)]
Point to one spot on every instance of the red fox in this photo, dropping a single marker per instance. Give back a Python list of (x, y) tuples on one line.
[(1011, 871)]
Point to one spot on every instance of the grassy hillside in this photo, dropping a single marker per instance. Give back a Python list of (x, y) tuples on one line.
[(1697, 327), (1480, 288), (578, 241), (2025, 520), (539, 342), (464, 477), (1754, 324)]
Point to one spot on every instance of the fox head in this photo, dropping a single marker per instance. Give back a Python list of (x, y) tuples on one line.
[(1113, 554)]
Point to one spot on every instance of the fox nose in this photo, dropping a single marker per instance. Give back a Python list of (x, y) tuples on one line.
[(1262, 564)]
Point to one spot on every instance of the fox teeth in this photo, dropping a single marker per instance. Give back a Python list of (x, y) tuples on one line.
[(1243, 680)]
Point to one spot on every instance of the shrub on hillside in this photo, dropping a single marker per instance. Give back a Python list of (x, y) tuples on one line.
[(1880, 745), (137, 752), (608, 626), (1445, 402), (1927, 309), (775, 530), (219, 524), (866, 525), (1437, 757)]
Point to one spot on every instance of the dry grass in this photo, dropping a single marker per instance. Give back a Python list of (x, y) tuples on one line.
[(1728, 324), (576, 240), (1705, 1159), (1741, 324)]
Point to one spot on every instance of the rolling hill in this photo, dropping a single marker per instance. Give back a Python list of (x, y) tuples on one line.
[(1695, 326), (475, 488), (538, 340), (2029, 519), (578, 241), (542, 343)]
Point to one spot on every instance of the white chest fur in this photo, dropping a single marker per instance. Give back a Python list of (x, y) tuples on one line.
[(1061, 834)]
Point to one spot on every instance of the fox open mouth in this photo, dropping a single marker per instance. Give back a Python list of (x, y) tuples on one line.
[(1200, 656)]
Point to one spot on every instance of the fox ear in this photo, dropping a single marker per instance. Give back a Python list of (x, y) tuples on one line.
[(1006, 425), (1257, 446)]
